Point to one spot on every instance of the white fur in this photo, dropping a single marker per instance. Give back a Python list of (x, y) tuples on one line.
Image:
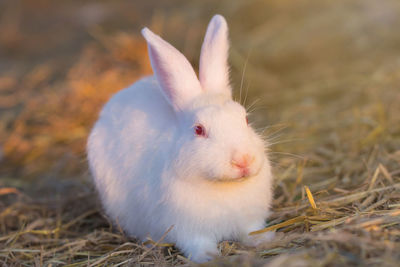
[(152, 171), (172, 70), (214, 70)]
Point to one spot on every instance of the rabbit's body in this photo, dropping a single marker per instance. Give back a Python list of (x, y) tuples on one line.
[(153, 171)]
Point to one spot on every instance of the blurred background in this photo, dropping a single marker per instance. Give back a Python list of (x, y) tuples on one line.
[(323, 76)]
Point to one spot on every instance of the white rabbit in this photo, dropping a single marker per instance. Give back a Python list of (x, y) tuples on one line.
[(175, 150)]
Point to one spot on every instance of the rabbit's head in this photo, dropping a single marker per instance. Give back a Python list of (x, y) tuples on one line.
[(214, 139)]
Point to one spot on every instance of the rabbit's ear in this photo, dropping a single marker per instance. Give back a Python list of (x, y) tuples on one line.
[(172, 70), (214, 70)]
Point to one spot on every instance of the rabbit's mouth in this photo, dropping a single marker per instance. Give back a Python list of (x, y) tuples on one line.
[(226, 179), (234, 179), (235, 173)]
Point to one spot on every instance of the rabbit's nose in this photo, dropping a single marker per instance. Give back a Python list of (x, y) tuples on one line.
[(242, 161)]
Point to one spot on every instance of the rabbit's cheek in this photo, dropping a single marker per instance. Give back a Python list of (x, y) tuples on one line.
[(259, 162), (213, 175), (255, 171)]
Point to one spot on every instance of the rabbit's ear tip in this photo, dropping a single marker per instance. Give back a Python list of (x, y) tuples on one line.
[(218, 16), (146, 33), (218, 19)]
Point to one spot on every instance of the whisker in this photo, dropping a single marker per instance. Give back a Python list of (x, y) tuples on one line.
[(242, 80), (287, 154), (262, 129), (259, 108), (247, 92), (275, 164), (272, 138), (272, 135), (252, 104), (269, 144)]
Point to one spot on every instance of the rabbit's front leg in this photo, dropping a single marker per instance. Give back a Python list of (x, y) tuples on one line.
[(199, 248)]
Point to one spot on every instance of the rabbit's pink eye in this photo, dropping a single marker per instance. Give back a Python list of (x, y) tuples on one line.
[(247, 121), (199, 130)]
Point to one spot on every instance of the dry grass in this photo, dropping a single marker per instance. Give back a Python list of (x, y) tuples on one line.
[(326, 77)]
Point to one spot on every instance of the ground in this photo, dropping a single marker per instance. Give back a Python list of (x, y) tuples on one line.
[(321, 79)]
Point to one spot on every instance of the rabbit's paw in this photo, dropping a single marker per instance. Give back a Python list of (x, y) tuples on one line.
[(255, 240), (200, 249)]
